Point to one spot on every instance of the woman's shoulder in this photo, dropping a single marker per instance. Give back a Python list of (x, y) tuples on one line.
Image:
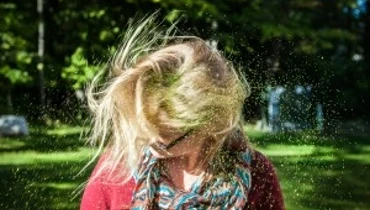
[(263, 170), (261, 162), (106, 191), (266, 192)]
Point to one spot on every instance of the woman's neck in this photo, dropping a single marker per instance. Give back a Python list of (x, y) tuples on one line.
[(187, 169)]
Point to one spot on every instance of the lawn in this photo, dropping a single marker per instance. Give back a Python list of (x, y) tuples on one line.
[(39, 171), (329, 172), (316, 171)]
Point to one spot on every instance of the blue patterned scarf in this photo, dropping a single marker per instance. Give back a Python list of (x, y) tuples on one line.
[(155, 191)]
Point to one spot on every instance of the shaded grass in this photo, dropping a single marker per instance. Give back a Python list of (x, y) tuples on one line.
[(316, 171)]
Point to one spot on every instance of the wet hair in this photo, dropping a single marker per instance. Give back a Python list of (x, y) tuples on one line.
[(155, 80)]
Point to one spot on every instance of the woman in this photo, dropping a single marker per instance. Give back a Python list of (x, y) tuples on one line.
[(169, 119)]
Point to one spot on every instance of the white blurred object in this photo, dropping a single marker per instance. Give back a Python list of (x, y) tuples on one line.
[(11, 125)]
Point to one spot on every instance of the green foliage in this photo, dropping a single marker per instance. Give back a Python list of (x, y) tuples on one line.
[(15, 58), (15, 75), (79, 72)]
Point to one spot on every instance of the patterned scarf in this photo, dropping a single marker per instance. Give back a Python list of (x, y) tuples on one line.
[(155, 191)]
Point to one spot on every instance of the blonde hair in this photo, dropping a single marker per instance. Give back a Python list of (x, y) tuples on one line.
[(157, 79)]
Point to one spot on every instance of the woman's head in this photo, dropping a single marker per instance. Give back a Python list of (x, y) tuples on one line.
[(188, 85), (174, 87)]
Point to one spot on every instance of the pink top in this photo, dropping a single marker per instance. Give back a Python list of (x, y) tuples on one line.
[(265, 193)]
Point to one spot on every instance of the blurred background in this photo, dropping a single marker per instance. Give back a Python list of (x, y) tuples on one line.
[(307, 62)]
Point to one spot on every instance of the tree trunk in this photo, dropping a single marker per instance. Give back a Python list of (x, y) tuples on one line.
[(9, 101), (40, 65), (273, 62), (366, 40), (366, 36)]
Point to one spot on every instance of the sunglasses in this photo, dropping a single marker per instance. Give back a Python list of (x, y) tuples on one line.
[(164, 147)]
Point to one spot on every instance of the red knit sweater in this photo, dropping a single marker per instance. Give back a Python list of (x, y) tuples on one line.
[(264, 195)]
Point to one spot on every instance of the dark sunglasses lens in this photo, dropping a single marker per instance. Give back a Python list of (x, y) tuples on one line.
[(173, 143)]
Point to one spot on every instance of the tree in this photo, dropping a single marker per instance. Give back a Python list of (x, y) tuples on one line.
[(79, 73), (15, 56), (273, 42), (40, 53)]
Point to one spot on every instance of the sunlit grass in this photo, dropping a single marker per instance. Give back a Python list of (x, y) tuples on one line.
[(58, 186), (32, 157), (288, 150), (7, 143), (362, 159), (65, 130)]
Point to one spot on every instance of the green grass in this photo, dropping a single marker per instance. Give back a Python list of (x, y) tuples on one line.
[(316, 171), (39, 171)]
